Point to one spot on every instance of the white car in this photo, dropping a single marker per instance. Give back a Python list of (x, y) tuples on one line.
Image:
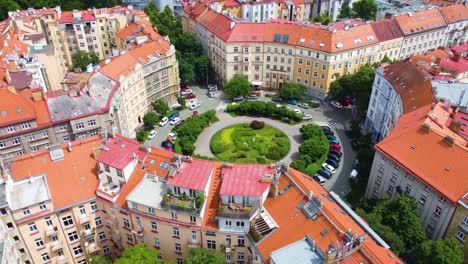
[(175, 121), (152, 134), (186, 92), (164, 121), (306, 117), (353, 174), (328, 167), (193, 106), (298, 111), (336, 104), (172, 135)]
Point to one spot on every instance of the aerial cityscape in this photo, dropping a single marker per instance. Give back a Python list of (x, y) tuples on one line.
[(234, 131)]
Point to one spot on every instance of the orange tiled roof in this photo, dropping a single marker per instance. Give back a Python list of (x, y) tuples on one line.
[(425, 154), (217, 24), (194, 10), (141, 28), (14, 108), (247, 32), (142, 52), (118, 66), (291, 30), (420, 21), (40, 107), (294, 225), (455, 13), (411, 84), (70, 180)]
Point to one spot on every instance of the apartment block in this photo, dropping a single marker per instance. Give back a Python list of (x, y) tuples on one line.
[(457, 21), (458, 226), (424, 157), (398, 89), (390, 39)]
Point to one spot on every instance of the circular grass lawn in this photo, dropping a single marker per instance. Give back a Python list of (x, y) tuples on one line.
[(243, 144)]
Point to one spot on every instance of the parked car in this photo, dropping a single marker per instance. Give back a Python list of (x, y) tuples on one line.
[(195, 113), (335, 152), (329, 133), (304, 105), (321, 180), (163, 121), (193, 106), (330, 137), (178, 124), (186, 92), (336, 104), (212, 87), (183, 86), (333, 163), (328, 167), (210, 94), (172, 135), (190, 96), (306, 117), (335, 147), (325, 128), (238, 98), (345, 101), (334, 157), (353, 174), (152, 134), (175, 121), (333, 141), (298, 111), (325, 173), (277, 99), (292, 102), (251, 97), (173, 115)]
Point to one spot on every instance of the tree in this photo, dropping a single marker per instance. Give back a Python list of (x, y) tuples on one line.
[(237, 86), (291, 90), (365, 9), (97, 259), (160, 107), (310, 130), (138, 254), (202, 256), (314, 148), (345, 11), (82, 59), (323, 19), (7, 5), (150, 119), (442, 251), (140, 135), (181, 101)]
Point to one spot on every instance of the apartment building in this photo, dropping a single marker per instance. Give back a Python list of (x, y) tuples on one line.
[(398, 89), (458, 226), (390, 39), (424, 157), (423, 31), (457, 21), (259, 11)]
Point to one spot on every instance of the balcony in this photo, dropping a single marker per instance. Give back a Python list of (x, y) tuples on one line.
[(92, 248), (108, 191), (83, 219), (464, 226), (61, 260), (56, 245), (138, 230), (179, 204), (237, 211), (88, 232), (51, 230), (193, 244)]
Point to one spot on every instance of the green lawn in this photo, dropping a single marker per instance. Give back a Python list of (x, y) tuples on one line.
[(243, 144)]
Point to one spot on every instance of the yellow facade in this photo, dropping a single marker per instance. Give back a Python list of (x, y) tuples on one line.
[(458, 227)]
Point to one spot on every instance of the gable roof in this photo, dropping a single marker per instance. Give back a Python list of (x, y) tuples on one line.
[(247, 32), (244, 179), (118, 66), (217, 24), (14, 108), (194, 175), (455, 13), (414, 23), (119, 151), (386, 30)]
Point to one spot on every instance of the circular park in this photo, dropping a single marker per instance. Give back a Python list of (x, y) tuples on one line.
[(250, 143)]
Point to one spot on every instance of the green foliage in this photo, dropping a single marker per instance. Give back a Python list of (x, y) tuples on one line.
[(160, 106), (291, 90), (203, 256), (257, 124), (138, 254), (313, 151), (82, 59), (151, 119), (141, 134), (442, 251), (359, 85), (365, 9), (261, 108), (323, 19), (181, 101), (97, 259), (310, 131), (199, 199), (345, 11), (237, 86), (7, 5), (188, 131)]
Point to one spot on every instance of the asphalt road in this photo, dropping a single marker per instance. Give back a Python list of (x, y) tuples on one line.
[(324, 115)]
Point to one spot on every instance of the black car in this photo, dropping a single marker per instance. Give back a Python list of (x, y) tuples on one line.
[(333, 163), (335, 152), (329, 133), (334, 157), (251, 97), (325, 173), (238, 98), (277, 99), (325, 128), (330, 137), (355, 144)]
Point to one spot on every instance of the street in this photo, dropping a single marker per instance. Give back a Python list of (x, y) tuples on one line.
[(324, 115)]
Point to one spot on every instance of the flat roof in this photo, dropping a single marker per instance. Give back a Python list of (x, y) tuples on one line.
[(301, 252), (193, 175), (119, 151), (28, 191), (149, 192), (244, 179)]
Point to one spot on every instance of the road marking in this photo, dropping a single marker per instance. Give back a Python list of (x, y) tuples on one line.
[(331, 124)]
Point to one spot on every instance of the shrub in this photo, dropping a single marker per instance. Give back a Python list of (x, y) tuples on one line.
[(261, 160), (257, 124), (273, 153)]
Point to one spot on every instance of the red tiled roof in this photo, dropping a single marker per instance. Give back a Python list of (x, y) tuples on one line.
[(194, 175), (14, 108), (455, 13), (282, 28), (386, 30), (70, 180), (247, 32), (426, 155), (462, 48), (420, 21), (244, 179), (120, 65), (121, 152), (456, 66), (230, 3), (217, 24), (67, 17)]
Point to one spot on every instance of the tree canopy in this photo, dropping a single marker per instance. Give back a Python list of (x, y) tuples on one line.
[(150, 119), (323, 19), (160, 107), (82, 59), (365, 9), (442, 251), (97, 259), (237, 86), (138, 254), (7, 5), (290, 90), (202, 256), (345, 11)]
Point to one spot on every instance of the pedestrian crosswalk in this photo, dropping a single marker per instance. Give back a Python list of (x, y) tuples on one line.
[(333, 125)]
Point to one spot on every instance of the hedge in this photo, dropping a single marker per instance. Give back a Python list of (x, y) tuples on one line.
[(266, 109)]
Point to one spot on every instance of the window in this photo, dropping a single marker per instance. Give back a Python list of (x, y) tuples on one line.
[(443, 200), (151, 210), (26, 211), (66, 138), (78, 251), (156, 242), (240, 256), (465, 220), (48, 221), (9, 225), (180, 261), (211, 244), (102, 236), (44, 134), (16, 239), (98, 221), (16, 141), (10, 129), (63, 127), (154, 226), (82, 210), (32, 227), (408, 189), (175, 232), (174, 215), (460, 236), (72, 236), (129, 238), (105, 250), (67, 221), (422, 199), (178, 248), (45, 257), (394, 177), (240, 241), (239, 223), (42, 206), (193, 219), (126, 223), (228, 257), (159, 257), (2, 144), (39, 243), (194, 236), (228, 223), (93, 206), (79, 126), (25, 125), (437, 211)]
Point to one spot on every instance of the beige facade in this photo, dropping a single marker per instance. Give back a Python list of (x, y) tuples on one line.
[(458, 226)]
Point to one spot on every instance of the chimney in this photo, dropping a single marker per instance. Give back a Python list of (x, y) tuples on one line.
[(11, 88), (449, 140), (96, 152), (274, 189), (233, 24), (455, 126), (456, 57), (107, 61), (69, 147)]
